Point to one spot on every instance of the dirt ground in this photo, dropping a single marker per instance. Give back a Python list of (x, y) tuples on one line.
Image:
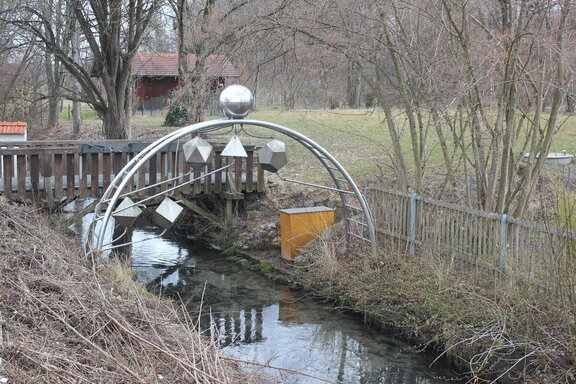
[(91, 130)]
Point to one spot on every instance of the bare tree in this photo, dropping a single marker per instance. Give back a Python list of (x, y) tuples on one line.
[(473, 74), (113, 31)]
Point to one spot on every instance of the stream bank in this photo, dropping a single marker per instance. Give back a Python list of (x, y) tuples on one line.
[(65, 318), (487, 333)]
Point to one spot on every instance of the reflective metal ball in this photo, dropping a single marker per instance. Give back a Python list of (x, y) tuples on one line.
[(236, 101)]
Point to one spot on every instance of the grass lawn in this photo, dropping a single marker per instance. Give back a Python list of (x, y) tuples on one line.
[(359, 140)]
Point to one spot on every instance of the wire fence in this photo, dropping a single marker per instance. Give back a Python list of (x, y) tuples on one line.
[(500, 246)]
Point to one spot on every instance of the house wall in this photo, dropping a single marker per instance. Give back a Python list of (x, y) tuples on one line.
[(148, 88), (12, 138)]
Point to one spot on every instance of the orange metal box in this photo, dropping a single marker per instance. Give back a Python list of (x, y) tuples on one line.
[(298, 226)]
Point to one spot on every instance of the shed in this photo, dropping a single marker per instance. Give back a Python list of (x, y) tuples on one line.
[(13, 131), (156, 74)]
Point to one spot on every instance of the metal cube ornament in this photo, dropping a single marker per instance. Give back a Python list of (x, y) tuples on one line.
[(167, 213), (273, 156), (126, 213), (197, 152)]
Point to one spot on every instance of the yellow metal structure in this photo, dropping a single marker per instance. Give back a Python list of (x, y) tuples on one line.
[(298, 226)]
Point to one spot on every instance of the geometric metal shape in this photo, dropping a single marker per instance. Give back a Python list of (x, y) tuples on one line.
[(234, 148), (236, 101), (126, 213), (167, 213), (273, 156), (197, 152)]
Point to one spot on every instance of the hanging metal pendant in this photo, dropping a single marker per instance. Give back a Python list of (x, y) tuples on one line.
[(167, 213), (234, 148), (126, 213), (273, 156), (197, 152)]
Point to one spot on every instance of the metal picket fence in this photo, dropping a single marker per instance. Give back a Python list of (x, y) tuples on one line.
[(476, 240)]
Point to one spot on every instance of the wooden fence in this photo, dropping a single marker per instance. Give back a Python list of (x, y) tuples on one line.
[(54, 171), (476, 240)]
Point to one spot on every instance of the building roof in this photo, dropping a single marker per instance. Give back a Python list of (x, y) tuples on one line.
[(166, 64), (12, 127)]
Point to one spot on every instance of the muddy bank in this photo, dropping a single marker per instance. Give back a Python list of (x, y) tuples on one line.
[(66, 318)]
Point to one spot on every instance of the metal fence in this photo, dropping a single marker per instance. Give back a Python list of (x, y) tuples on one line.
[(155, 104), (475, 240)]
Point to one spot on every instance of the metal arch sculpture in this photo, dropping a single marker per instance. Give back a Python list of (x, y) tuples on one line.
[(117, 185)]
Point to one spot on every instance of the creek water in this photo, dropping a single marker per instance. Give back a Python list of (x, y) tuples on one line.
[(259, 320)]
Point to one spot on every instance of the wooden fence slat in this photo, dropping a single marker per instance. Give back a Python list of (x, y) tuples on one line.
[(198, 181), (47, 177), (218, 163), (173, 168), (35, 176), (208, 179), (106, 171), (70, 176), (7, 175), (58, 175), (152, 174), (250, 171), (95, 175), (238, 173), (83, 192), (117, 162), (261, 183), (186, 178), (163, 172), (21, 167), (131, 185), (142, 179)]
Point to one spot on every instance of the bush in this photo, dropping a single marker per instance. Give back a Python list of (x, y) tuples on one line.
[(177, 116)]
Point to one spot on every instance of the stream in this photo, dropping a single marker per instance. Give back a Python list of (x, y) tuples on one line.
[(259, 320)]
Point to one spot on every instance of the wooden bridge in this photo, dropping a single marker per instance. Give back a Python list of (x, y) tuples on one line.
[(52, 172)]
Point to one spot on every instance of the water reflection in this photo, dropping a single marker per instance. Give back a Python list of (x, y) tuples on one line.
[(258, 320)]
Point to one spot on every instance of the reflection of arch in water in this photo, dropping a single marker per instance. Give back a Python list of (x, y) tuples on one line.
[(244, 326)]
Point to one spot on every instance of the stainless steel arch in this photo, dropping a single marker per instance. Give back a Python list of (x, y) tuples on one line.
[(112, 194)]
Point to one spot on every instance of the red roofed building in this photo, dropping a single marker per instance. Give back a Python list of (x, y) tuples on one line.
[(157, 73), (13, 131)]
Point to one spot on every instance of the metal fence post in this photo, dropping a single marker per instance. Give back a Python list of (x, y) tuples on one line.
[(503, 244), (412, 234)]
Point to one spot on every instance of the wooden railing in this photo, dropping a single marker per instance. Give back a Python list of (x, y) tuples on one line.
[(61, 170), (492, 244)]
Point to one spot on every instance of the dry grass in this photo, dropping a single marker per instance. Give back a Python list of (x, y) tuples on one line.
[(492, 334), (66, 319)]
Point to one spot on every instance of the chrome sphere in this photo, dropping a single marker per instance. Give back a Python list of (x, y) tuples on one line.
[(236, 101)]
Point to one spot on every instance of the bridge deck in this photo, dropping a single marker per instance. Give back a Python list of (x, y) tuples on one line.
[(55, 171)]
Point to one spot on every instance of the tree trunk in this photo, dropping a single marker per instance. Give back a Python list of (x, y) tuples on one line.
[(76, 105), (76, 116), (115, 123), (353, 85), (53, 111)]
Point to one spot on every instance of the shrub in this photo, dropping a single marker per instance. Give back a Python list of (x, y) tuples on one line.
[(177, 115)]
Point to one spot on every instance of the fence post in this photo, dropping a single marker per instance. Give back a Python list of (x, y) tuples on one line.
[(503, 244), (412, 235)]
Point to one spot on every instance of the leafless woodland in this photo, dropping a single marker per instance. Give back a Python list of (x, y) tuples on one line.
[(488, 80)]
